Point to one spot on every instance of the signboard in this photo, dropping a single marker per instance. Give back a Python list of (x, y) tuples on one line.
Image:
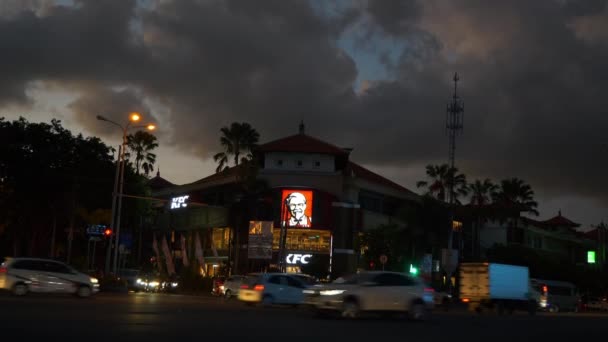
[(383, 259), (179, 202), (96, 229), (298, 259), (427, 264), (297, 208), (591, 257), (259, 245), (126, 239)]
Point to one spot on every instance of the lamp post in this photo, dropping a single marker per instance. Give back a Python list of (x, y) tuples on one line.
[(119, 182)]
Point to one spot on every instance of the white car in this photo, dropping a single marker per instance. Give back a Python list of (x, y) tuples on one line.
[(23, 275), (233, 284), (272, 288), (373, 291)]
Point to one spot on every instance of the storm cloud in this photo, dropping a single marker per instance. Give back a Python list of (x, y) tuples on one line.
[(533, 77)]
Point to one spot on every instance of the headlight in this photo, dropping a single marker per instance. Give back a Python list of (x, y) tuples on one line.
[(154, 284), (94, 281), (331, 292), (308, 291), (139, 281), (222, 287), (174, 284)]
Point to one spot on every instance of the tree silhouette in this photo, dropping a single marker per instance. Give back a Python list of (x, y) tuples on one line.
[(238, 142)]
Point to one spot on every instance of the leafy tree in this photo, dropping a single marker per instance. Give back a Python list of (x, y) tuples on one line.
[(53, 182), (142, 144), (238, 142), (48, 173)]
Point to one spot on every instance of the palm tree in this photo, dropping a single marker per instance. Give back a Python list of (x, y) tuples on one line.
[(238, 142), (482, 194), (516, 191), (142, 143), (516, 196), (438, 185)]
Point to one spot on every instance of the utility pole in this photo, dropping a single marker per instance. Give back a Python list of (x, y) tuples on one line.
[(454, 125), (112, 220)]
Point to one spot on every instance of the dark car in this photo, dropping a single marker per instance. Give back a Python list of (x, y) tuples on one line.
[(130, 276)]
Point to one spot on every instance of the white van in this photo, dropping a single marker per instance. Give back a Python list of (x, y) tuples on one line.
[(556, 295)]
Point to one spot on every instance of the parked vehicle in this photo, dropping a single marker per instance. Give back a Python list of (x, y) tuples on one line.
[(443, 299), (217, 287), (593, 303), (490, 285), (23, 275), (233, 285), (556, 296), (130, 276), (372, 291), (272, 288)]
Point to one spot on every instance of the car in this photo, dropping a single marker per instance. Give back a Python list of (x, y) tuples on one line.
[(307, 279), (217, 287), (130, 276), (596, 304), (372, 291), (233, 284), (442, 298), (273, 288), (24, 275)]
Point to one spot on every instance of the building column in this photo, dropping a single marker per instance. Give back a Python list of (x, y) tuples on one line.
[(346, 227)]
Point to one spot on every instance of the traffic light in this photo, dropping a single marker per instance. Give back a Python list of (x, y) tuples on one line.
[(413, 270), (107, 232)]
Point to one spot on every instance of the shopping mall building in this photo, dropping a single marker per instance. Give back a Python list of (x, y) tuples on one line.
[(308, 186)]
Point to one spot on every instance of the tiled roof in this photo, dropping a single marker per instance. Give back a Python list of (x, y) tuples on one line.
[(370, 176), (231, 171), (592, 234), (159, 182), (301, 143), (560, 221), (552, 223)]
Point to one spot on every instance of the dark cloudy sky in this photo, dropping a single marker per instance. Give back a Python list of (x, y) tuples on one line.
[(373, 75)]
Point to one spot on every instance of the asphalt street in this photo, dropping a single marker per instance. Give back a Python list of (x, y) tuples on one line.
[(163, 317)]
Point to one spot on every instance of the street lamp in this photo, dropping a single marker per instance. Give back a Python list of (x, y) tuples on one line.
[(119, 181)]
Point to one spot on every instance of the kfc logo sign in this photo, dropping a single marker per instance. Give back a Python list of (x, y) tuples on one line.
[(179, 202), (293, 259)]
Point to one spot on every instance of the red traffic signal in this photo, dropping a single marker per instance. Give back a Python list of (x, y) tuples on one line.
[(107, 232)]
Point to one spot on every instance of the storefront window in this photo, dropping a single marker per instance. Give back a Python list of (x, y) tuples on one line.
[(221, 237), (312, 240)]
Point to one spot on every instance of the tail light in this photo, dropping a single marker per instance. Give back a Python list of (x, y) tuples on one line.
[(429, 290), (259, 287), (3, 269), (465, 300), (244, 287)]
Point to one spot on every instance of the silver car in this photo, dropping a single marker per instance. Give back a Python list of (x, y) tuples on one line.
[(23, 275), (233, 284), (372, 291)]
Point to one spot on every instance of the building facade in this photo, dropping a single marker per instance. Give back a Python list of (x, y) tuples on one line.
[(301, 191), (555, 238)]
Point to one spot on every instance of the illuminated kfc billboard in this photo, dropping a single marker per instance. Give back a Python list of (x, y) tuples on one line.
[(297, 208)]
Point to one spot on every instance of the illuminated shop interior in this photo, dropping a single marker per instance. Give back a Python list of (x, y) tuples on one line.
[(311, 240)]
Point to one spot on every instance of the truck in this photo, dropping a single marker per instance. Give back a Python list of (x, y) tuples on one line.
[(497, 286)]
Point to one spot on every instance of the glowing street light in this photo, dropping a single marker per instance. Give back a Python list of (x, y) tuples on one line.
[(119, 181)]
